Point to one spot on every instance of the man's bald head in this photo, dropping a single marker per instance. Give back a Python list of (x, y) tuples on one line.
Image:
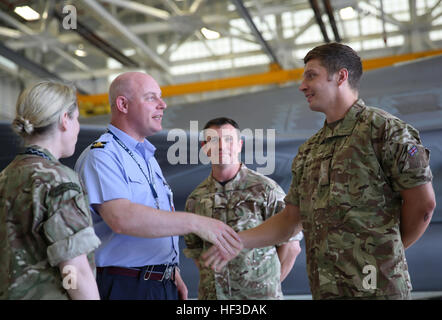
[(124, 85), (137, 106)]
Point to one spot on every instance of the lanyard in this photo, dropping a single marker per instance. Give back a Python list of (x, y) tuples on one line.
[(151, 182), (150, 178)]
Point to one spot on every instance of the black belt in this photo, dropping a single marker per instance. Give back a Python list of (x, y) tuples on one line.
[(156, 272)]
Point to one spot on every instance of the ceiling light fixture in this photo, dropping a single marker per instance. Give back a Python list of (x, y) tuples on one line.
[(129, 52), (80, 53), (210, 34), (27, 13), (347, 13)]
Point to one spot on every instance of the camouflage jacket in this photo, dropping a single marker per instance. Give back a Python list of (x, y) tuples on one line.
[(243, 203), (346, 183), (44, 220)]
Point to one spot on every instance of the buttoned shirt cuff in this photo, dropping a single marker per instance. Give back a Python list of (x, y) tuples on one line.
[(192, 253), (82, 242)]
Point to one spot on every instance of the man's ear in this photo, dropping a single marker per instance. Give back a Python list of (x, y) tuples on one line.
[(121, 104), (206, 148), (342, 76)]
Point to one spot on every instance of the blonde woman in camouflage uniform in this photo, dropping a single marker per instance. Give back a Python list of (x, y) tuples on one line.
[(45, 223)]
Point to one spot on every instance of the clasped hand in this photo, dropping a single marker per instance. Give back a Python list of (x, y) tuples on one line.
[(226, 242)]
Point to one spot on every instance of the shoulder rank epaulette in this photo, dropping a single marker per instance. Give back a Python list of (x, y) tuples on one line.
[(98, 144)]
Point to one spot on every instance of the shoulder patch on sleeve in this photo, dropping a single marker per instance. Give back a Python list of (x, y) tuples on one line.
[(412, 150), (62, 188), (98, 144), (418, 157)]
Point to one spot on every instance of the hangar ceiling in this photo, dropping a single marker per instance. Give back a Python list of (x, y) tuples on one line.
[(88, 42)]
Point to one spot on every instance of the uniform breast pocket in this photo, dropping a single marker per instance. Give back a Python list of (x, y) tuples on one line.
[(204, 207), (311, 174), (357, 182), (315, 182), (246, 214)]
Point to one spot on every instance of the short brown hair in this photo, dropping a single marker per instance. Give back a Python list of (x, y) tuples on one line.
[(335, 56), (218, 122)]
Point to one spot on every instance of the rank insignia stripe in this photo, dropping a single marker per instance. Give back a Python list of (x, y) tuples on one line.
[(98, 144)]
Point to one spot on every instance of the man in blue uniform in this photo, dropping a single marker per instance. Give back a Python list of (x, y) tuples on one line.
[(132, 204)]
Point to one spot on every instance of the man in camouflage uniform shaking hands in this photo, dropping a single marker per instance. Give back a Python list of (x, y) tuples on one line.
[(361, 189)]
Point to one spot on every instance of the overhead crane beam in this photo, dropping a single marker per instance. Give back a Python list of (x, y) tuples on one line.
[(276, 76)]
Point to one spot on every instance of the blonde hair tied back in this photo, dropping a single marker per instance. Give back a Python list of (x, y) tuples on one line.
[(23, 126), (40, 106)]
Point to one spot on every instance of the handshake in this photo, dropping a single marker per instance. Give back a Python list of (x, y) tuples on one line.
[(227, 244), (216, 259)]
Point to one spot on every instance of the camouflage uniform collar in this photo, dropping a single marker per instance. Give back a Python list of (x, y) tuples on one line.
[(40, 149), (232, 184), (346, 126)]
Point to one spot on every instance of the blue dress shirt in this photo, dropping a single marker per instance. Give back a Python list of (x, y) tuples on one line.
[(110, 173)]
